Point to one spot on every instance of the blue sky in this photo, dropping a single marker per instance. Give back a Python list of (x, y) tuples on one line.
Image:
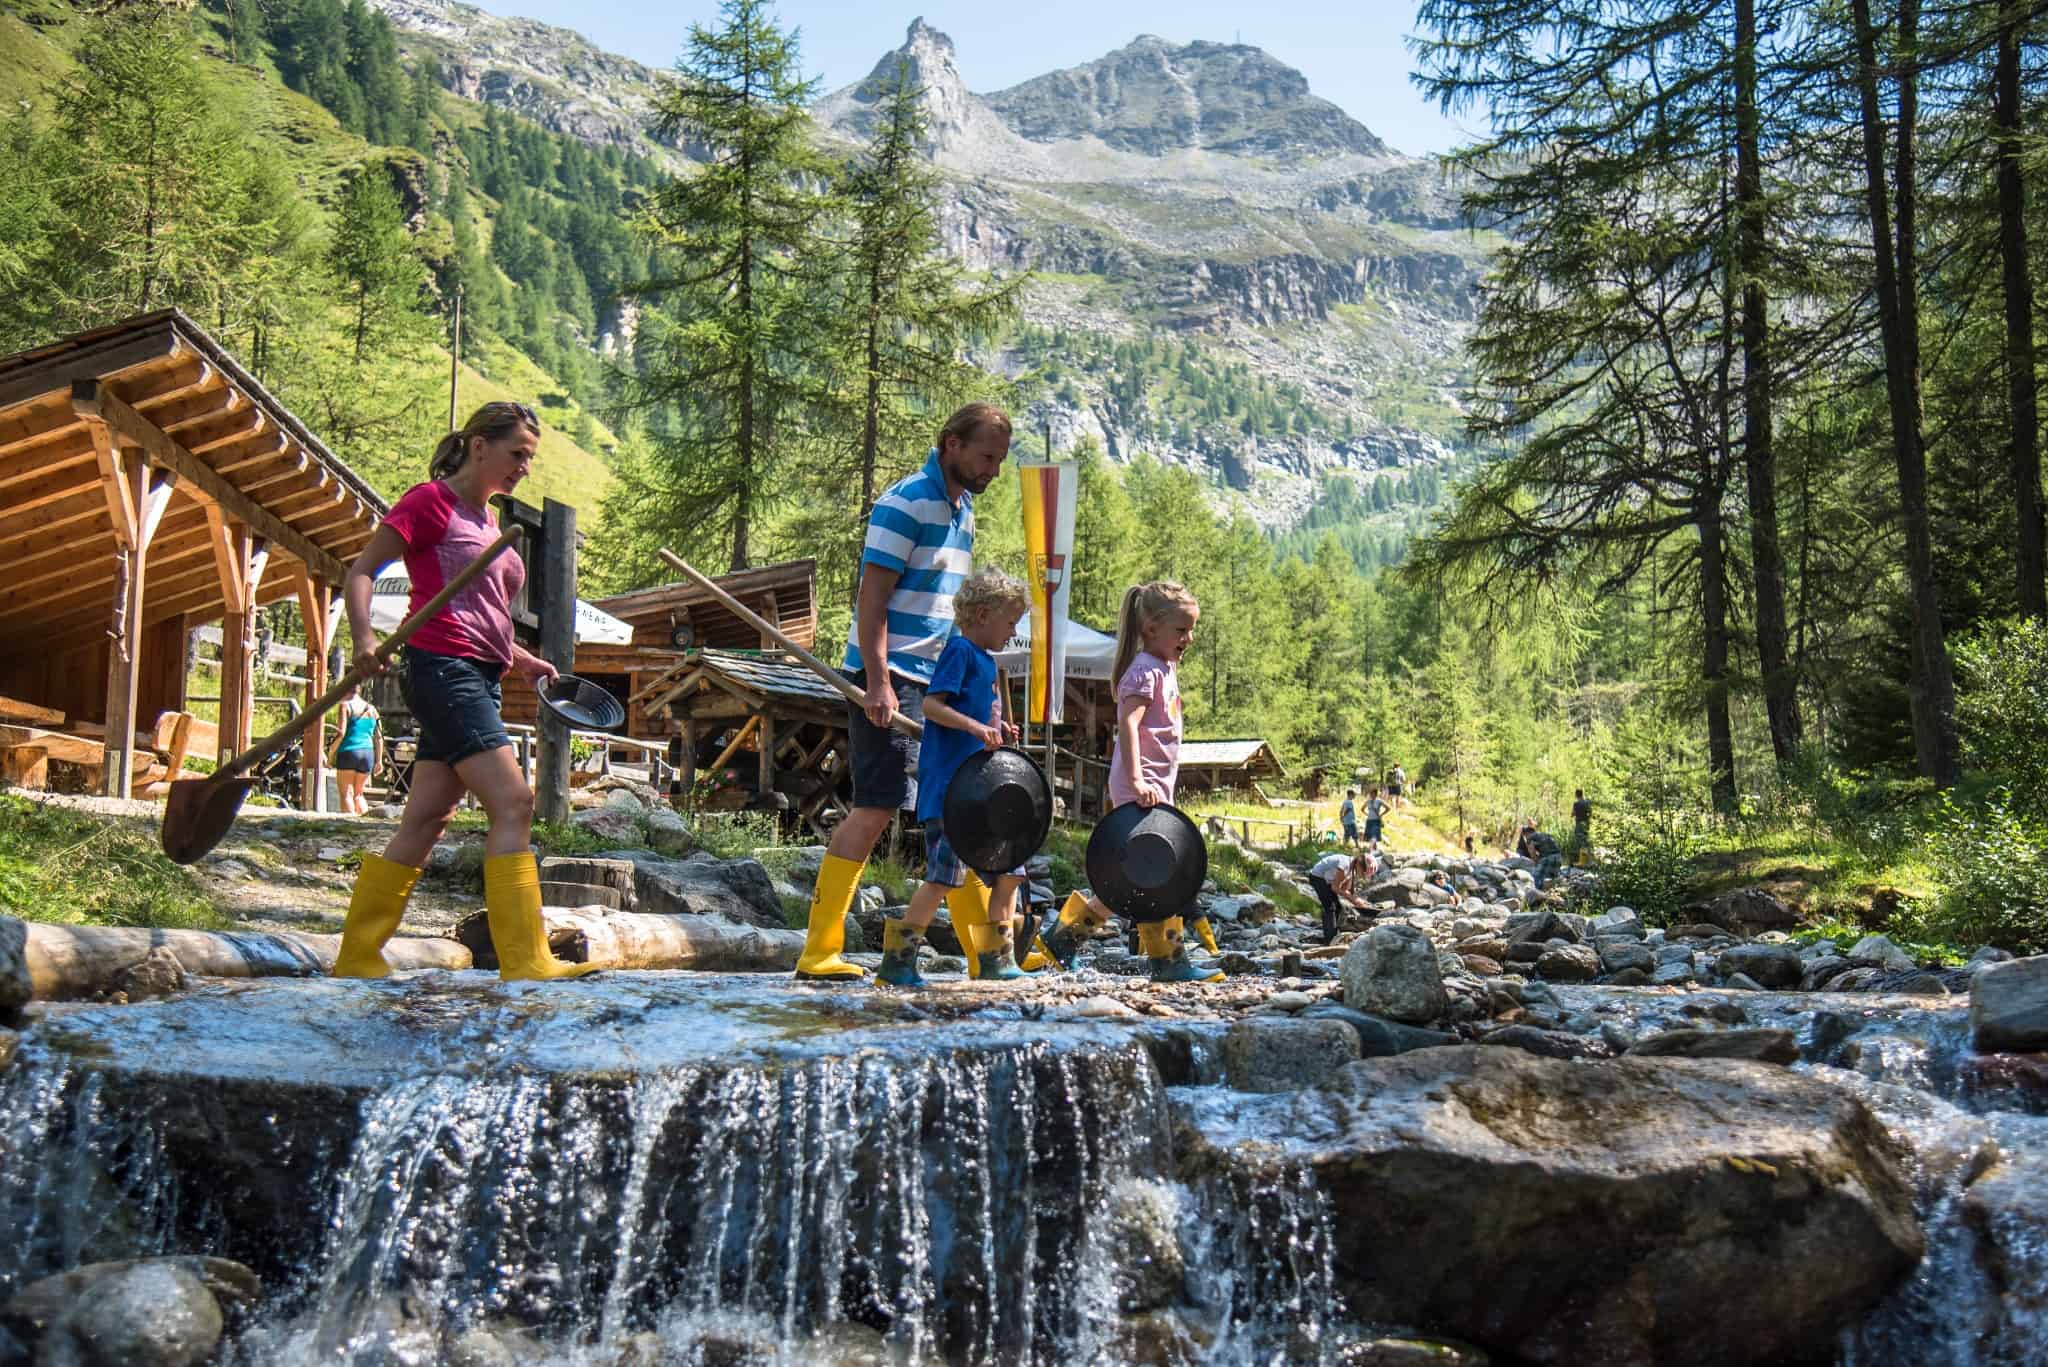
[(1352, 54)]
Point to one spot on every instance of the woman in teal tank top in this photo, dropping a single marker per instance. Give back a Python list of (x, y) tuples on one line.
[(358, 750)]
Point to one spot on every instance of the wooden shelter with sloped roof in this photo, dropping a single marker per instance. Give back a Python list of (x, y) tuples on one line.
[(149, 484), (1239, 763)]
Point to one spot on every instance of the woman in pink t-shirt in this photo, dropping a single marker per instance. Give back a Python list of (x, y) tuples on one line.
[(1154, 630), (452, 668)]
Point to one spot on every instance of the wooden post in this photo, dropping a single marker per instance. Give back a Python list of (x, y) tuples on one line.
[(769, 610), (765, 782), (314, 597), (122, 484), (556, 605), (688, 774)]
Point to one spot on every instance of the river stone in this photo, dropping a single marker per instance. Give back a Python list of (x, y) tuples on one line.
[(1881, 951), (739, 889), (1238, 964), (1569, 963), (1379, 1038), (1415, 1351), (156, 974), (1769, 965), (1601, 1222), (1616, 955), (147, 1314), (1629, 977), (1764, 1046), (1745, 911), (611, 823), (2009, 1006), (1144, 1243), (1272, 1055), (1547, 1043), (1539, 927), (15, 987), (1392, 971)]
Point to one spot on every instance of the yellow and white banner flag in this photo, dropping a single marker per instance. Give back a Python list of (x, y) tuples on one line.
[(1050, 492)]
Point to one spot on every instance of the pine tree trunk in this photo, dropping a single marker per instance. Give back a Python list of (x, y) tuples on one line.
[(1932, 687), (1714, 653), (1767, 559), (2019, 321)]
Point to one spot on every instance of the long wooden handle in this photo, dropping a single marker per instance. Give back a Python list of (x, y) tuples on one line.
[(284, 735), (908, 725)]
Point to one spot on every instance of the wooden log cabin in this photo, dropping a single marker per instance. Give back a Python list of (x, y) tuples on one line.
[(148, 485)]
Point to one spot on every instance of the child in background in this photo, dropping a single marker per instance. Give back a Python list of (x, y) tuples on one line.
[(1349, 816), (1375, 813), (962, 714), (1153, 633)]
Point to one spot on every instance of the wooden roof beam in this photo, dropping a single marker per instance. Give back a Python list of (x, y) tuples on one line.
[(236, 426), (78, 630), (181, 531), (175, 573), (264, 449), (189, 377), (93, 363), (91, 399)]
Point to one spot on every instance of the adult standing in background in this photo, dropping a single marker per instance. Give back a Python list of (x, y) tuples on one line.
[(919, 549)]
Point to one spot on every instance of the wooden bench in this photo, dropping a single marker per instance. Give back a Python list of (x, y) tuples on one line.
[(26, 752)]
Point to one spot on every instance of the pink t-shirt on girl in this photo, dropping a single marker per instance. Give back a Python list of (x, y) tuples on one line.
[(1159, 728), (442, 534)]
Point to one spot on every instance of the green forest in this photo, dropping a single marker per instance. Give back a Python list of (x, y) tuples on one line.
[(1744, 535)]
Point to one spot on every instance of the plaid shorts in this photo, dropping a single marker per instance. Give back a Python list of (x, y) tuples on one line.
[(941, 865)]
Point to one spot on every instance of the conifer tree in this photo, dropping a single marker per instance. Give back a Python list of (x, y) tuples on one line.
[(739, 338), (373, 261)]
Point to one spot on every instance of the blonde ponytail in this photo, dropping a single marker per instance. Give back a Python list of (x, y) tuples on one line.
[(1144, 603)]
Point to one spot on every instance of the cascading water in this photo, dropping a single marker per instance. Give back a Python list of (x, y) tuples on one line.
[(652, 1171)]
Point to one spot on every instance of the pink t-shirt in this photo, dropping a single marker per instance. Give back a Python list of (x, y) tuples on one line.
[(442, 534), (1152, 679)]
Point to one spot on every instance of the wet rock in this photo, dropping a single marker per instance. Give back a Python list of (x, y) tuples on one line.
[(1742, 982), (156, 974), (2009, 1006), (1482, 966), (1249, 910), (9, 1042), (739, 889), (1778, 1252), (1618, 921), (15, 987), (149, 1313), (1290, 1001), (1629, 977), (486, 1345), (1392, 971), (1379, 1038), (1282, 1055), (1762, 1046), (1855, 980), (1239, 965), (1485, 946), (1410, 1351), (1879, 950), (1989, 954), (1539, 927), (668, 833), (1830, 1029), (1103, 1008), (1616, 955), (1770, 965), (1818, 973), (1715, 1009), (1569, 963), (1546, 1043), (1672, 972), (1162, 1338), (1919, 985), (1144, 1243), (41, 1304)]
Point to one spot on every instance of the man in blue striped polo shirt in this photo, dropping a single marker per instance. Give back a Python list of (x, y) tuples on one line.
[(920, 546)]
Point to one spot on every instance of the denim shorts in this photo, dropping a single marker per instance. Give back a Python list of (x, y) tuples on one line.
[(455, 701), (884, 759), (354, 761), (941, 865)]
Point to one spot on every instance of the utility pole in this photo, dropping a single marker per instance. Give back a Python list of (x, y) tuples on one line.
[(455, 358)]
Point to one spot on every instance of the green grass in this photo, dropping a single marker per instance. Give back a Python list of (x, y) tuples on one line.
[(69, 867)]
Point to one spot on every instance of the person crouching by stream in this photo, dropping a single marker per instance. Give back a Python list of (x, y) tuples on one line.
[(452, 668), (962, 713), (1154, 630), (1336, 879)]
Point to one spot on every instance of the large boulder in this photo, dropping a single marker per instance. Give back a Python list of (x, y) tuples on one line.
[(1764, 1046), (1769, 965), (1392, 971), (15, 987), (1684, 1212), (1278, 1055), (1378, 1038), (2009, 1005), (149, 1312), (1745, 911), (668, 833), (739, 889)]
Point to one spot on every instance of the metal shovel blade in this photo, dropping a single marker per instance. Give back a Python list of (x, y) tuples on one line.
[(198, 812)]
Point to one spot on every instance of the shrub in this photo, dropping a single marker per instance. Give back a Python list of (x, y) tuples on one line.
[(2003, 707), (1645, 864), (1992, 864)]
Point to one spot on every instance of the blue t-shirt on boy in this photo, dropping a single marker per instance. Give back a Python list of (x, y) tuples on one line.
[(964, 679)]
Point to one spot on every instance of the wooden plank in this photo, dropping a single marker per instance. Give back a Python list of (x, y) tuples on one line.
[(125, 637), (59, 638), (90, 398), (313, 604), (190, 376), (114, 471), (182, 532), (239, 425), (274, 448), (62, 481), (167, 574), (14, 709), (71, 446), (737, 741), (109, 358), (63, 524)]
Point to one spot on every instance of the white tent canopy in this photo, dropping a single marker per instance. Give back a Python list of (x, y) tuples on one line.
[(393, 590), (1089, 653)]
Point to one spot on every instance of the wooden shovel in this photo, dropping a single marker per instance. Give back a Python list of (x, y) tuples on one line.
[(198, 812), (908, 725)]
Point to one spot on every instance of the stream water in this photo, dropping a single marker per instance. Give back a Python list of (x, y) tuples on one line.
[(659, 1168)]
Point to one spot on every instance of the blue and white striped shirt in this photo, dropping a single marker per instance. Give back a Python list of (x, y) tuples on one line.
[(919, 532)]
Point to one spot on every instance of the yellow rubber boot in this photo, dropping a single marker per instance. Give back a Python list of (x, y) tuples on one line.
[(1078, 921), (374, 910), (967, 905), (1165, 944), (825, 940), (512, 906), (1205, 933)]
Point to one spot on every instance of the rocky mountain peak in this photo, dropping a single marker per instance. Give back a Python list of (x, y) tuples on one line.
[(1154, 97), (956, 117)]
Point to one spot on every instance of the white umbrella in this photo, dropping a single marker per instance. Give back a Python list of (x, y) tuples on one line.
[(392, 592)]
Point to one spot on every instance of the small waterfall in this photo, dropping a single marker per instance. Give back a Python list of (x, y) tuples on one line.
[(948, 1194)]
